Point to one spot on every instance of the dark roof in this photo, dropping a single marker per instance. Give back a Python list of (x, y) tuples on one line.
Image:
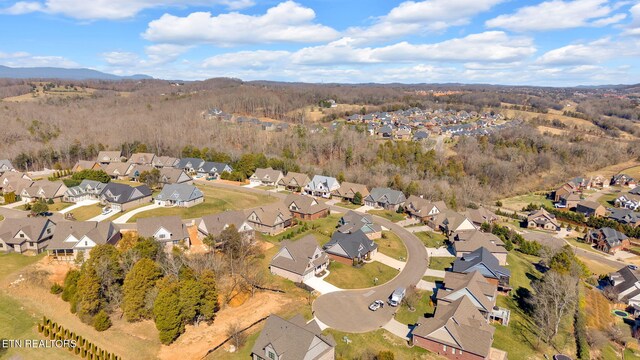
[(194, 162), (481, 256), (123, 193), (297, 256), (611, 236), (293, 339), (354, 244)]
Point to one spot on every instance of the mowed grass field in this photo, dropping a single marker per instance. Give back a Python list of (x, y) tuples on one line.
[(391, 245), (216, 200), (350, 277)]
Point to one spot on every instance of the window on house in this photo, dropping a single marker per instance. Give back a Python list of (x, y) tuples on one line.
[(162, 236), (444, 348), (49, 231), (86, 243), (22, 235), (272, 356)]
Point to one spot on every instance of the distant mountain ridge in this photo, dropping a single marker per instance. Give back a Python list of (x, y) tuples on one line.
[(62, 74)]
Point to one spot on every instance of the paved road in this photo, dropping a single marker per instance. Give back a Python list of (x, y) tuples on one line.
[(348, 310)]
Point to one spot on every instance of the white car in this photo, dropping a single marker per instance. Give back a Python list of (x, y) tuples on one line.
[(376, 305), (105, 211)]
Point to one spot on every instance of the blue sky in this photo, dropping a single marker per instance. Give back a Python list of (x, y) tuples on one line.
[(552, 43)]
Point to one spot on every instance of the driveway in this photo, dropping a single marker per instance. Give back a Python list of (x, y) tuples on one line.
[(436, 273), (398, 329), (78, 205), (389, 261), (443, 251), (124, 218), (426, 285), (415, 229), (321, 286)]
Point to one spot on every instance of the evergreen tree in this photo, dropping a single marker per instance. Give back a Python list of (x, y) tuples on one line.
[(87, 295), (101, 321), (209, 305), (138, 282), (357, 198), (70, 285), (166, 310), (148, 248), (191, 293)]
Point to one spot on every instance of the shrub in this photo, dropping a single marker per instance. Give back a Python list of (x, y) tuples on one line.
[(56, 289), (101, 321), (385, 355)]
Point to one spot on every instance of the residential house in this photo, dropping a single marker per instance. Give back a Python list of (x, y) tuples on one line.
[(352, 222), (190, 165), (294, 181), (169, 175), (293, 339), (350, 248), (6, 165), (473, 285), (628, 201), (600, 181), (86, 165), (591, 208), (167, 230), (625, 216), (214, 224), (73, 238), (465, 242), (449, 222), (299, 260), (25, 235), (348, 190), (213, 170), (481, 215), (122, 197), (570, 201), (545, 239), (321, 186), (266, 177), (564, 190), (488, 265), (542, 219), (87, 190), (108, 157), (14, 182), (164, 162), (623, 180), (607, 240), (142, 158), (119, 170), (306, 207), (270, 219), (423, 210), (137, 169), (457, 330), (403, 134), (635, 191), (180, 195), (582, 183), (385, 198), (626, 285), (44, 190)]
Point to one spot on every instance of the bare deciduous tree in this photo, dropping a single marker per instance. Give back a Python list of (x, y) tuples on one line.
[(555, 296)]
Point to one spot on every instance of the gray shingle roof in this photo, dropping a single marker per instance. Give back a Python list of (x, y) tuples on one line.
[(386, 195), (355, 244), (123, 193), (148, 227), (480, 256), (301, 252), (179, 192)]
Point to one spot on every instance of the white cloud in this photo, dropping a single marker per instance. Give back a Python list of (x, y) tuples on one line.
[(634, 27), (422, 16), (491, 46), (110, 9), (590, 53), (558, 14), (260, 59), (286, 22), (24, 59)]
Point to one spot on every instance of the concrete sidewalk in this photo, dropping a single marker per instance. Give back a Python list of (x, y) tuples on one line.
[(389, 261), (78, 205)]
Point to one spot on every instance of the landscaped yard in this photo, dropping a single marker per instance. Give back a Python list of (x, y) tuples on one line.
[(391, 245), (431, 239), (441, 263), (387, 214), (52, 207), (577, 243), (607, 200), (432, 279), (520, 266), (350, 277), (216, 200), (423, 307), (518, 202), (322, 228), (347, 205), (360, 346), (84, 213)]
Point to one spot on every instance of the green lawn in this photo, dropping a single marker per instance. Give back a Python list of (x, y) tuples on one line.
[(441, 263), (322, 228), (13, 262), (577, 243), (519, 338), (431, 239), (521, 265), (389, 215), (52, 207), (216, 200), (361, 346), (432, 279), (391, 245), (607, 200), (347, 205), (350, 277), (424, 306), (84, 213)]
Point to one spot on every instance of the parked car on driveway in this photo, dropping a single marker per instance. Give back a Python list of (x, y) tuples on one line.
[(376, 305), (396, 297)]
